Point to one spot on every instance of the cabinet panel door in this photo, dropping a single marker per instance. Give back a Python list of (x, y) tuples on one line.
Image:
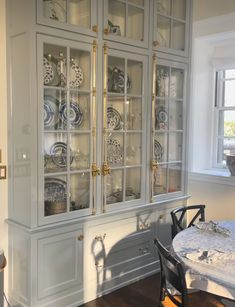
[(72, 15), (60, 263), (123, 122), (126, 21), (168, 126), (171, 26), (65, 128)]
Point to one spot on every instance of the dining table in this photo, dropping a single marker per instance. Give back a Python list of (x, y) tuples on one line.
[(207, 252)]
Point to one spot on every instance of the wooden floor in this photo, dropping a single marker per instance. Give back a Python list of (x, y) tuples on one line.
[(143, 293)]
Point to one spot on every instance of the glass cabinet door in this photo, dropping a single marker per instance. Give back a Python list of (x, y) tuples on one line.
[(171, 25), (66, 104), (75, 15), (168, 127), (126, 20), (124, 132)]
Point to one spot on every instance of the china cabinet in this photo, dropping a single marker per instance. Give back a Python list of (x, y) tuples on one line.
[(128, 20), (168, 127), (71, 15), (97, 143), (172, 26)]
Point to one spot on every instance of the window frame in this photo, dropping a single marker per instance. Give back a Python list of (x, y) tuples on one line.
[(219, 107)]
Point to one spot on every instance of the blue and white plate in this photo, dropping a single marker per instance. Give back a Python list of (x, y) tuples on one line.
[(75, 114), (113, 119), (58, 152), (51, 112)]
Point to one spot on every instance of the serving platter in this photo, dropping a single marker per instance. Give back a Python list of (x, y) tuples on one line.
[(158, 151), (76, 76), (114, 119), (51, 112), (58, 152), (75, 114), (55, 189), (114, 151)]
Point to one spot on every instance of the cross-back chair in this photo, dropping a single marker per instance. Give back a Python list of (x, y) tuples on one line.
[(172, 273), (178, 217)]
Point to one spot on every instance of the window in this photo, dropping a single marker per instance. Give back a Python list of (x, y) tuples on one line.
[(225, 115)]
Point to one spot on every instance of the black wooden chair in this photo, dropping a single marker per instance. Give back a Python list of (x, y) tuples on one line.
[(172, 274), (178, 217)]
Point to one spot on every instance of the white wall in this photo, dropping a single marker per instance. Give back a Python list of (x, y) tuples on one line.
[(204, 9), (213, 38), (3, 130)]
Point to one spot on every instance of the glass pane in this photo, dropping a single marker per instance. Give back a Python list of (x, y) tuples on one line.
[(163, 31), (177, 83), (116, 75), (133, 148), (80, 146), (164, 7), (117, 17), (135, 23), (115, 120), (79, 72), (80, 13), (178, 35), (115, 149), (114, 187), (79, 191), (54, 70), (53, 99), (134, 77), (161, 115), (79, 111), (229, 95), (162, 81), (55, 152), (137, 2), (175, 146), (229, 122), (176, 115), (55, 195), (133, 113), (230, 73), (160, 147), (55, 10), (179, 9), (133, 183), (228, 147), (159, 177), (175, 172)]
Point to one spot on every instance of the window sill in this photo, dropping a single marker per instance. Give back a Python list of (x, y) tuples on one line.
[(214, 176)]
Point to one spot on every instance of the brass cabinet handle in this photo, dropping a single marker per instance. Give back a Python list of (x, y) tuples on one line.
[(106, 30), (95, 28), (95, 170), (156, 43), (154, 165), (106, 170), (81, 237)]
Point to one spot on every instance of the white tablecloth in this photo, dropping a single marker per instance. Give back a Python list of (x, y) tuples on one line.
[(217, 277)]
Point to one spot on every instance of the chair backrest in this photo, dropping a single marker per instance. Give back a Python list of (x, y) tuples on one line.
[(172, 272), (178, 217)]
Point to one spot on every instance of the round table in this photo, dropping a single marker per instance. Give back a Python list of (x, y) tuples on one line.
[(217, 277)]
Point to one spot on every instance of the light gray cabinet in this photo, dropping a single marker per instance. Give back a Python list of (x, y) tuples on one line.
[(172, 26), (98, 125)]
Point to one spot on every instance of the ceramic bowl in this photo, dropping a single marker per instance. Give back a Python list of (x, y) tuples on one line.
[(230, 161)]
